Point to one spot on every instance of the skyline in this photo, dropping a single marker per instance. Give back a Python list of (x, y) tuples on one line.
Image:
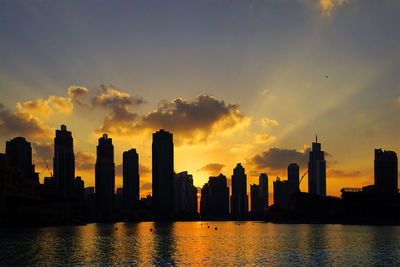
[(255, 80)]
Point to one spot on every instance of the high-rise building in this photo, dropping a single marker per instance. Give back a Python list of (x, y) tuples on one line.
[(105, 178), (19, 154), (385, 171), (130, 179), (255, 199), (185, 194), (214, 200), (317, 170), (64, 162), (239, 198), (293, 172), (263, 190), (163, 173), (281, 193)]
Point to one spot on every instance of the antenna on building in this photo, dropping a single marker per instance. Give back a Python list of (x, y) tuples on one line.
[(316, 138)]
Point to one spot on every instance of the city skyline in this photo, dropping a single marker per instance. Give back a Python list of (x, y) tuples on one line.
[(252, 83)]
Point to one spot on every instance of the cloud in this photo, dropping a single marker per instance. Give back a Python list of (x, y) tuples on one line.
[(328, 5), (85, 161), (195, 119), (121, 120), (212, 168), (62, 104), (146, 186), (43, 150), (22, 123), (77, 92), (268, 123), (144, 170), (278, 158), (37, 107), (264, 138), (398, 99), (342, 174)]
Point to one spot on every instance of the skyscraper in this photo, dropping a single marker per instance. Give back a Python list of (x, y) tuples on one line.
[(64, 162), (105, 178), (255, 203), (163, 173), (385, 171), (130, 179), (293, 172), (239, 198), (185, 194), (263, 190), (215, 197), (19, 154), (317, 170)]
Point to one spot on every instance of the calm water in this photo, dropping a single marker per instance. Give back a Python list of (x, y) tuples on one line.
[(184, 243)]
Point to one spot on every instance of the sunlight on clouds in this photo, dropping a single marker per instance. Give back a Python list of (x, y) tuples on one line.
[(267, 122), (37, 107), (328, 5)]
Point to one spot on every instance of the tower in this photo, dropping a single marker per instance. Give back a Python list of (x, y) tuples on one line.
[(385, 171), (64, 162), (316, 170), (239, 198), (19, 154), (163, 173), (130, 179), (105, 178)]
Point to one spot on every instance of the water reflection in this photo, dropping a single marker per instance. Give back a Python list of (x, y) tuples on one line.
[(201, 243)]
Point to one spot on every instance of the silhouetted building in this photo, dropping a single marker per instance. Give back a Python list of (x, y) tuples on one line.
[(214, 200), (293, 173), (385, 171), (105, 178), (64, 162), (19, 154), (317, 170), (130, 179), (185, 195), (255, 203), (79, 188), (163, 173), (263, 190), (239, 198), (281, 193)]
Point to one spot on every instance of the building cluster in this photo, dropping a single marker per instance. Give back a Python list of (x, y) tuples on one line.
[(63, 198)]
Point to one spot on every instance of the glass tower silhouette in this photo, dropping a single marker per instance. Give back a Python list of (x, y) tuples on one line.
[(105, 178), (239, 198), (64, 162), (317, 170), (163, 173), (130, 179), (19, 154)]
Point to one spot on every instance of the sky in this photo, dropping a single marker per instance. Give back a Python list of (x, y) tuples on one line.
[(234, 81)]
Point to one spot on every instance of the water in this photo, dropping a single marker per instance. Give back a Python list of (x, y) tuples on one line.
[(193, 243)]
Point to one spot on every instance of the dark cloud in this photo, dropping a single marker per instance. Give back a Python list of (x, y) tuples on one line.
[(342, 174), (185, 116), (277, 158), (43, 150), (118, 170), (77, 92), (146, 186), (85, 161), (212, 168), (22, 123), (121, 120), (143, 170)]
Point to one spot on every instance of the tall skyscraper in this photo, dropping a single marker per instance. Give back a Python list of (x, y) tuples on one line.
[(385, 171), (214, 200), (263, 190), (163, 173), (255, 200), (105, 178), (239, 198), (130, 179), (293, 172), (64, 162), (317, 170), (185, 194), (19, 154)]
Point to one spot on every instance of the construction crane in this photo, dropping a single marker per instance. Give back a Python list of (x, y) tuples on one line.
[(47, 167), (301, 179)]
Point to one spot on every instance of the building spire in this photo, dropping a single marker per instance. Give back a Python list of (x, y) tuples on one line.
[(316, 138)]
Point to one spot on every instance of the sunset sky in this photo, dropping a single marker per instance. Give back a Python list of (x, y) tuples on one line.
[(234, 81)]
